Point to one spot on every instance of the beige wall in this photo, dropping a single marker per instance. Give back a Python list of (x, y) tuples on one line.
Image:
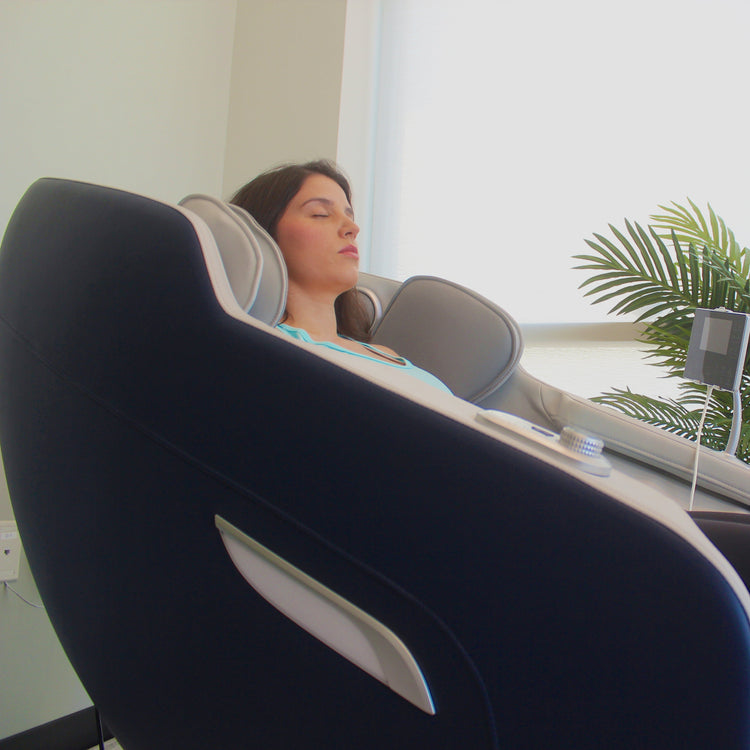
[(286, 85), (162, 97), (132, 93)]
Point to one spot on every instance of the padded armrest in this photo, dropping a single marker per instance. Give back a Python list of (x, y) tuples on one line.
[(718, 472), (550, 407)]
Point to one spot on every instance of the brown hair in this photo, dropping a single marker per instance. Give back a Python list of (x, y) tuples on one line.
[(266, 198)]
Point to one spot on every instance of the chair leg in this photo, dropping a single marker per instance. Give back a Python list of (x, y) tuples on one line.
[(99, 729)]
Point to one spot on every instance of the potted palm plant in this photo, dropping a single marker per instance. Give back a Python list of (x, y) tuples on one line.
[(683, 259)]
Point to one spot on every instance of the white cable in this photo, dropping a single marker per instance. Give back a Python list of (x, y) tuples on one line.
[(709, 391), (22, 598)]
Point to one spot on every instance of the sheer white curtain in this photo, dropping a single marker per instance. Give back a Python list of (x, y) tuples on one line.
[(504, 132)]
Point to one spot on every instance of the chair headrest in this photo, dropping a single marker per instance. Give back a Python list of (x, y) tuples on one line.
[(470, 343), (252, 260)]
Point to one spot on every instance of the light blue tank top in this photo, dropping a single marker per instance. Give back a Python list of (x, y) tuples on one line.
[(402, 364)]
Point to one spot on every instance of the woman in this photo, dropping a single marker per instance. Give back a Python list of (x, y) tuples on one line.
[(307, 209)]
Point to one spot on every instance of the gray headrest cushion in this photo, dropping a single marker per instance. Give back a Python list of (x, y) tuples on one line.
[(252, 260), (270, 301)]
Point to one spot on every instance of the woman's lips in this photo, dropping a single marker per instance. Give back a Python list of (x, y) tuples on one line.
[(350, 250)]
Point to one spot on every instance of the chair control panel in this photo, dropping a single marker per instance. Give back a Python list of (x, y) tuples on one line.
[(572, 445)]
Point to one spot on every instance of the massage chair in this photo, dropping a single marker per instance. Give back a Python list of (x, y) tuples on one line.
[(246, 541)]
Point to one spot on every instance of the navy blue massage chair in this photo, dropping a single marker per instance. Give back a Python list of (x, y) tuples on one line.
[(244, 541)]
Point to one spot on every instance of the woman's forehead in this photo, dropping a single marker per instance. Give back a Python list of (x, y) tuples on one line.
[(318, 186)]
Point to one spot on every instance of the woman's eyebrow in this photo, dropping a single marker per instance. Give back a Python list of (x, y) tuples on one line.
[(332, 204)]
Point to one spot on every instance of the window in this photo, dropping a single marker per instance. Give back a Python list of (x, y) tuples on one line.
[(488, 138)]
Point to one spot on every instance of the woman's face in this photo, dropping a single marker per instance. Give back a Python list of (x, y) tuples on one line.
[(318, 237)]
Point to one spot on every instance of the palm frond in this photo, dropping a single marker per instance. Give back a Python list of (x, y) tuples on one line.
[(644, 276), (669, 415), (732, 288), (692, 227), (676, 417), (667, 347)]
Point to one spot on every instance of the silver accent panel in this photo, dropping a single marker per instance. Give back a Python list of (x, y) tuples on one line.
[(374, 300), (330, 618)]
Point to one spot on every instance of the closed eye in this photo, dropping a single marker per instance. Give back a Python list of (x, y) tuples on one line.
[(327, 202)]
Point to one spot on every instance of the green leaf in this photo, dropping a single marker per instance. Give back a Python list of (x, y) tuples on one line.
[(631, 250)]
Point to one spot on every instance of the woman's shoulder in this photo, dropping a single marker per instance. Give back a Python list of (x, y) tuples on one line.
[(297, 333)]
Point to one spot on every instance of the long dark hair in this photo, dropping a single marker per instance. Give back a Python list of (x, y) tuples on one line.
[(266, 198)]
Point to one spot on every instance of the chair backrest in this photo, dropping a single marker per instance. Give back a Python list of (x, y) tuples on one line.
[(150, 425)]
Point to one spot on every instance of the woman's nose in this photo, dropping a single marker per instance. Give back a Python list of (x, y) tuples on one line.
[(350, 228)]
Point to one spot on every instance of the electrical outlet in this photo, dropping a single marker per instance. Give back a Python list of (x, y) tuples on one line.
[(10, 551)]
